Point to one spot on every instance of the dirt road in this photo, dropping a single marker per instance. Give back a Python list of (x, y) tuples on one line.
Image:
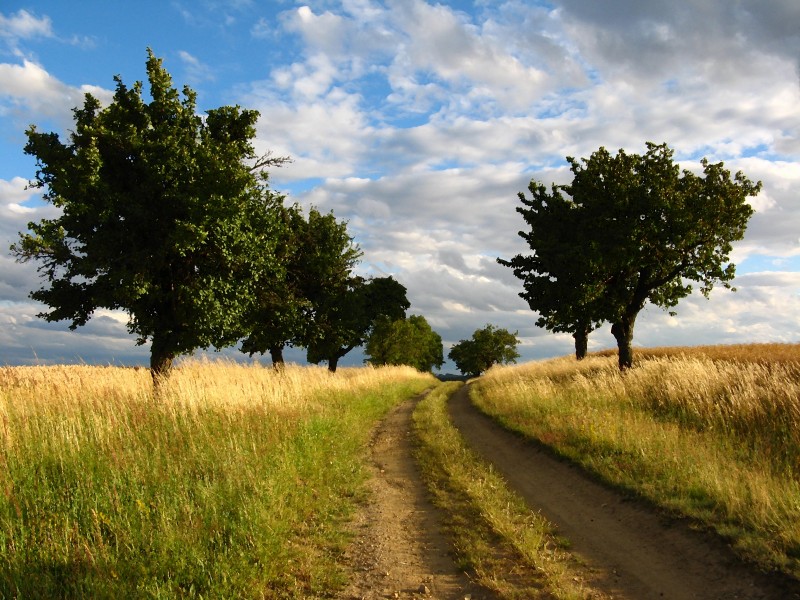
[(641, 554), (400, 551), (637, 554)]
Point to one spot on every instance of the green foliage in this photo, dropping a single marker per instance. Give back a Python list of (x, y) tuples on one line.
[(487, 347), (318, 257), (634, 229), (160, 217), (343, 316), (560, 279), (408, 341)]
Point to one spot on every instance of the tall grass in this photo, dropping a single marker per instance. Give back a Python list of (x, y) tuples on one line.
[(714, 438), (236, 482)]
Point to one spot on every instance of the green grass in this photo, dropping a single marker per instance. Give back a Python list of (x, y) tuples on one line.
[(188, 498), (504, 545)]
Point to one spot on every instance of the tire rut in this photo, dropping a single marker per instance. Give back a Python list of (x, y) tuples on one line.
[(636, 553), (400, 550)]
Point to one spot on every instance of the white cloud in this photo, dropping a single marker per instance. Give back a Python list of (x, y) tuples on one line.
[(29, 93), (419, 123), (24, 25), (196, 71)]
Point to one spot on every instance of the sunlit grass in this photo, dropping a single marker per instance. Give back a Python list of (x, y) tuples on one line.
[(711, 434), (236, 481)]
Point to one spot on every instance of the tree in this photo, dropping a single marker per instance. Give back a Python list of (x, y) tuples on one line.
[(408, 341), (560, 279), (161, 216), (318, 257), (644, 230), (487, 347), (344, 316)]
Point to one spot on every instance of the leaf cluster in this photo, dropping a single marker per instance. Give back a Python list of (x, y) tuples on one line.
[(408, 341), (343, 319), (487, 347)]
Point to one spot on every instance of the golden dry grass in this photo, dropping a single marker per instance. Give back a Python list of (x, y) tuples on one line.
[(712, 432), (234, 481), (761, 353)]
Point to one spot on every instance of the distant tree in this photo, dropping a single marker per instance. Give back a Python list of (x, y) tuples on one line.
[(487, 347), (165, 214), (344, 316), (318, 256), (560, 279), (634, 229), (408, 341)]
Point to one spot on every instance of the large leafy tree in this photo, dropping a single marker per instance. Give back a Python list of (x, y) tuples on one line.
[(318, 256), (165, 214), (646, 231), (343, 316), (560, 279), (486, 347), (408, 341)]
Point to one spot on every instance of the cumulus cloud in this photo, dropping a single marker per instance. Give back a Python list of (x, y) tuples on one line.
[(23, 25), (418, 122), (29, 93)]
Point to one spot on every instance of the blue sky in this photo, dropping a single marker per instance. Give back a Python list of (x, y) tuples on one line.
[(419, 122)]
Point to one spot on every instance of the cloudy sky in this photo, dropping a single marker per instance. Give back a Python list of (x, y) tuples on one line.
[(419, 121)]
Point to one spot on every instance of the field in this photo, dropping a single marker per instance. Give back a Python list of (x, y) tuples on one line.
[(238, 481), (712, 433)]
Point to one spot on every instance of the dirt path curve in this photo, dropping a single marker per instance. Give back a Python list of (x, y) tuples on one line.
[(399, 550), (637, 554)]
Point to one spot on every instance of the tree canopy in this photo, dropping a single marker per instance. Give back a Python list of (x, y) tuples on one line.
[(408, 341), (343, 316), (318, 256), (487, 347), (560, 279), (165, 214), (641, 230)]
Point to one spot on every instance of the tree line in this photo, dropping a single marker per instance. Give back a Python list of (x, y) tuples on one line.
[(169, 216)]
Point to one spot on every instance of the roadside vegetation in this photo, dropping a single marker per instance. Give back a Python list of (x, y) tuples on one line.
[(712, 433), (504, 545), (236, 482)]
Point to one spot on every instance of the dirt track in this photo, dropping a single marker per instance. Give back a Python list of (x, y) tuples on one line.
[(636, 554), (639, 554), (400, 551)]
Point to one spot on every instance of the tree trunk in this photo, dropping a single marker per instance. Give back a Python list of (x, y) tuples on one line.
[(622, 330), (160, 363), (333, 362), (276, 354), (581, 343)]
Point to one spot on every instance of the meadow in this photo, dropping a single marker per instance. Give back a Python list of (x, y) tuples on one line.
[(237, 481), (710, 433)]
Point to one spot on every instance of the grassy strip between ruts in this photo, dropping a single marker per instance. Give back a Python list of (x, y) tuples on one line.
[(237, 483), (717, 439), (497, 538)]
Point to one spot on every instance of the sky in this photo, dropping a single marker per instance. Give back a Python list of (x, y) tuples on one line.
[(418, 122)]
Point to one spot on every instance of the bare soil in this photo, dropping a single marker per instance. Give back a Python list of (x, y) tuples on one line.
[(400, 551), (633, 551)]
